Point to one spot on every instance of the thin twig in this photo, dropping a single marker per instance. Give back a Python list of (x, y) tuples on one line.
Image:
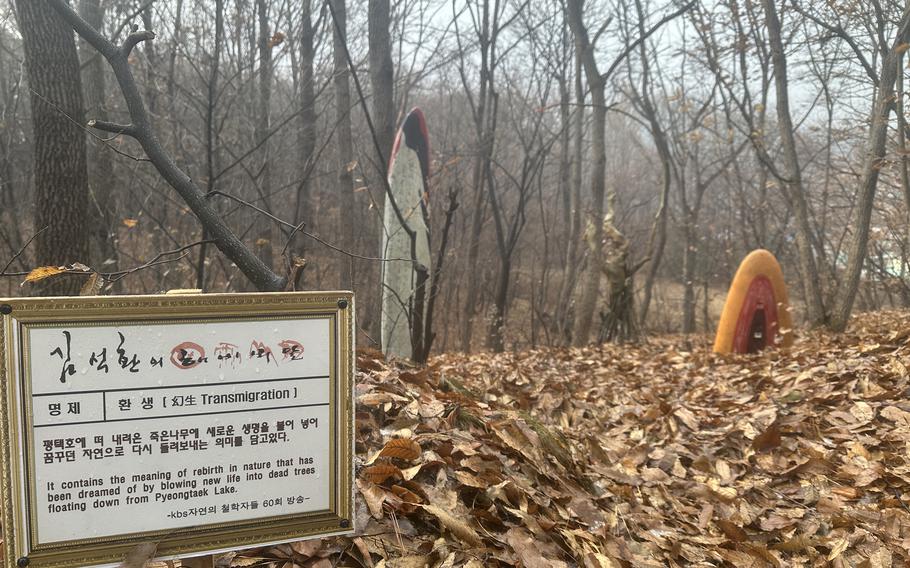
[(299, 229), (159, 259), (104, 141), (21, 250)]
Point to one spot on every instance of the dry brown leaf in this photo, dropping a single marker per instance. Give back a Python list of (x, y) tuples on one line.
[(420, 561), (688, 418), (734, 532), (92, 286), (769, 439), (140, 555), (307, 548), (796, 544), (458, 528), (406, 495), (380, 472), (373, 495), (364, 551), (402, 449), (43, 272), (837, 548)]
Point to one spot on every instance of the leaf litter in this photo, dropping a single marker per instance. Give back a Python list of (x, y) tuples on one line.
[(633, 455)]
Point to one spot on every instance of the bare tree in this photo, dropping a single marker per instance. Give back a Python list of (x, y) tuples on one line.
[(211, 130), (263, 177), (306, 132), (875, 153), (791, 177), (619, 319), (103, 196), (487, 25), (61, 175), (345, 146), (140, 128), (382, 74)]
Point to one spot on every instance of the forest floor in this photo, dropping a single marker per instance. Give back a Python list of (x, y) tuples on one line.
[(644, 455)]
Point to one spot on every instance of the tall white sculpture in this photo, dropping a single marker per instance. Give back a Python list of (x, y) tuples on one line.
[(406, 236)]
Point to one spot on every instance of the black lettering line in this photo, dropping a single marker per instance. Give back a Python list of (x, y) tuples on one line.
[(310, 378), (182, 415)]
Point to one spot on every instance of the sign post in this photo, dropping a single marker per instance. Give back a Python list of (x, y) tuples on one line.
[(205, 423)]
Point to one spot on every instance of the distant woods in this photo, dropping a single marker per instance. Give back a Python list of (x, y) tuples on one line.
[(612, 161)]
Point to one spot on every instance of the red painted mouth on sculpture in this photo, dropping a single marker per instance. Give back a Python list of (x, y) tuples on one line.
[(757, 325)]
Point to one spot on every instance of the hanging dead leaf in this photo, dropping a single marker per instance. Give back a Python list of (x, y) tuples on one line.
[(130, 223), (402, 449), (276, 40), (43, 272), (92, 286)]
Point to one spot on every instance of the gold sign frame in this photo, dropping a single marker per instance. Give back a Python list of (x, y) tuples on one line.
[(15, 422)]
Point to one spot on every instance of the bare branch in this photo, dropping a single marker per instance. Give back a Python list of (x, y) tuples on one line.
[(631, 47), (112, 127), (840, 32), (299, 229), (135, 39), (224, 238), (159, 258), (20, 251)]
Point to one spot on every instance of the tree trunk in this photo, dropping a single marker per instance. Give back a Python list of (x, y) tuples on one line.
[(878, 138), (306, 133), (473, 291), (690, 251), (573, 139), (815, 309), (345, 146), (905, 167), (61, 174), (267, 233), (496, 332), (211, 132), (382, 76), (485, 138), (103, 201), (658, 238), (584, 313)]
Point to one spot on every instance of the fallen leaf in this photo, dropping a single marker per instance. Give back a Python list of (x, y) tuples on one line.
[(458, 528), (769, 439), (380, 472), (401, 448)]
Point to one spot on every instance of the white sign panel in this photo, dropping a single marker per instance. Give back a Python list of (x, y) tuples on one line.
[(132, 428)]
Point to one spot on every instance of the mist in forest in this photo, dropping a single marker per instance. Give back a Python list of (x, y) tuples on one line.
[(597, 170)]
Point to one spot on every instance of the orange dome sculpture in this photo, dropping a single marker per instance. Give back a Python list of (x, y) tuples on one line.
[(756, 313)]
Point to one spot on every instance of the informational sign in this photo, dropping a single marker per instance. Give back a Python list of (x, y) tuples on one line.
[(201, 422)]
